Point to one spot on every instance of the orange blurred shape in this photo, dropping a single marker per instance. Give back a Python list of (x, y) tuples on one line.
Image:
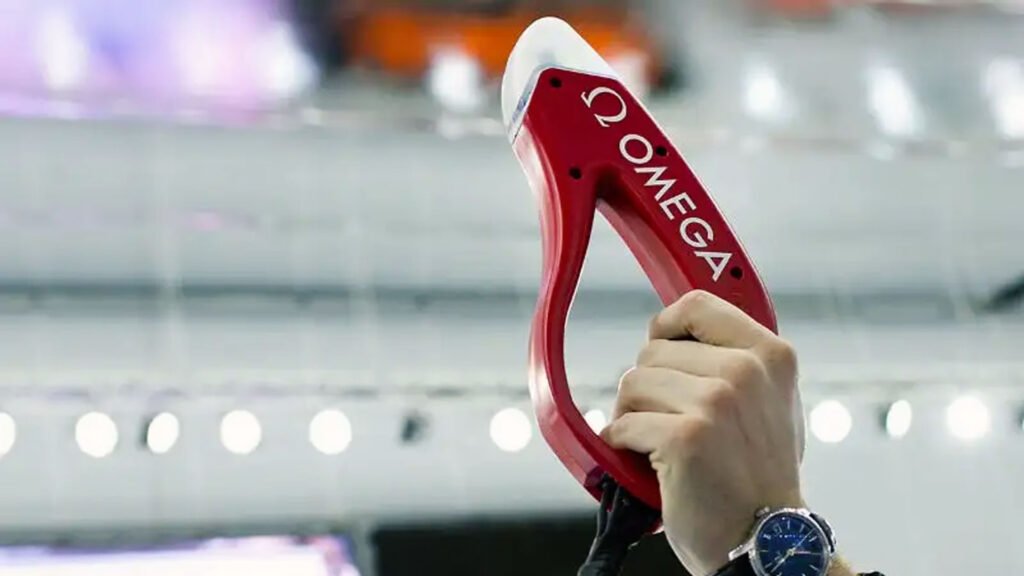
[(401, 42), (799, 8)]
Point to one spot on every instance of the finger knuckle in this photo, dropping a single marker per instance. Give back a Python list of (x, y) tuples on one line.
[(653, 324), (779, 354), (722, 398), (688, 436), (614, 428), (618, 427), (743, 369), (650, 353), (695, 300), (629, 386)]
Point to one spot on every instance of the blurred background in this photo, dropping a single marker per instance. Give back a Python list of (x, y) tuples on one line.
[(267, 269)]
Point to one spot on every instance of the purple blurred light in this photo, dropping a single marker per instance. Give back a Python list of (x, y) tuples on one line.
[(277, 555), (226, 55)]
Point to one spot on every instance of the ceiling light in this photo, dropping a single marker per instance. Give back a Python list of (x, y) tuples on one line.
[(763, 96), (456, 80), (596, 420), (892, 102), (8, 433), (1003, 82), (96, 434), (330, 432), (240, 432), (511, 429), (287, 68), (967, 418), (162, 433), (831, 422), (63, 53), (898, 418)]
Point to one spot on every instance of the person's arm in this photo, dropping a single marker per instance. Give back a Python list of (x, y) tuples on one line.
[(713, 401)]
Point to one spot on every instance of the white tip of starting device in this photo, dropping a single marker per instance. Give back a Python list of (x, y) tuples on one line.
[(548, 42)]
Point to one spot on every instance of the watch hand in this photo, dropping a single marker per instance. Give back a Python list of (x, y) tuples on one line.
[(782, 559)]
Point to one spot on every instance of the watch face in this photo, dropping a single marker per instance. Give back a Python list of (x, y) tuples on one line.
[(789, 544)]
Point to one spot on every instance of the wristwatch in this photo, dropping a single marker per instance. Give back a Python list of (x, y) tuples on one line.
[(784, 542)]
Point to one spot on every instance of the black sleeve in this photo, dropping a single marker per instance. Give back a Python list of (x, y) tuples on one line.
[(741, 567), (738, 567)]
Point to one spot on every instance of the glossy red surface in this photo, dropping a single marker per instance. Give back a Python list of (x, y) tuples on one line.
[(587, 145)]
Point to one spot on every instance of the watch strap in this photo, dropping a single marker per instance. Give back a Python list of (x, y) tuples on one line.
[(739, 566), (827, 529)]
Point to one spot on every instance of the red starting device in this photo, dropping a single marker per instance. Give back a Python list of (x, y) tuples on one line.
[(587, 144)]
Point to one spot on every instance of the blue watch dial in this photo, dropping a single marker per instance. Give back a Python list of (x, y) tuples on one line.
[(789, 544)]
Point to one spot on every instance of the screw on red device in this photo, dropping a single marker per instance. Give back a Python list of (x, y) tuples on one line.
[(587, 144)]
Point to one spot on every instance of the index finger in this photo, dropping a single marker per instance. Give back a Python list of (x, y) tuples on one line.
[(704, 317)]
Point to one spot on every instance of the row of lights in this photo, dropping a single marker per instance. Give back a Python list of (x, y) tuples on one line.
[(96, 433), (891, 98), (830, 421), (511, 429), (329, 432), (457, 81), (967, 418)]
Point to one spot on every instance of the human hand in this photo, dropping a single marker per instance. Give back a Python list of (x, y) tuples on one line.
[(713, 401)]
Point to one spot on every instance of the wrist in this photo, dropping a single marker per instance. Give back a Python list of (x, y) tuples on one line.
[(840, 568), (787, 541)]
